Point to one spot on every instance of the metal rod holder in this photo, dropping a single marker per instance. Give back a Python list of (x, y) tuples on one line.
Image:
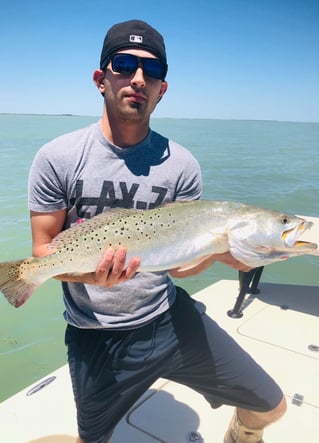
[(248, 284)]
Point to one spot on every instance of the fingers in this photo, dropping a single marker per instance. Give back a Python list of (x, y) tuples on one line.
[(132, 268), (106, 263), (111, 270)]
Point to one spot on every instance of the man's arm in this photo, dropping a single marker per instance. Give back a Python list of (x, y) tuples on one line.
[(225, 258), (110, 271)]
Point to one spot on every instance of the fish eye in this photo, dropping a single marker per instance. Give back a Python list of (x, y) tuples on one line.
[(284, 220)]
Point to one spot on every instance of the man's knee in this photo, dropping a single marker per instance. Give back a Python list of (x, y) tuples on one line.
[(247, 426), (276, 413), (257, 420)]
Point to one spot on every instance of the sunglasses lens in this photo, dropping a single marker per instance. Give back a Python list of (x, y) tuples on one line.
[(154, 68), (128, 63), (124, 63)]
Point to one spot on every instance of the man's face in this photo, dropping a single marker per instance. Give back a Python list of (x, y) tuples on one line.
[(132, 96)]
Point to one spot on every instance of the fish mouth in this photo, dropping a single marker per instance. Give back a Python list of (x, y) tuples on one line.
[(290, 237)]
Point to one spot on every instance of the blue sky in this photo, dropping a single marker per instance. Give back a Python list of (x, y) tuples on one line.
[(228, 59)]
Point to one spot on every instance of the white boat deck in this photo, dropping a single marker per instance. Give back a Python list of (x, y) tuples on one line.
[(279, 329)]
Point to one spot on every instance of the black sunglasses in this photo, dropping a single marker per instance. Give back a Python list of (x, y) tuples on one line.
[(128, 63)]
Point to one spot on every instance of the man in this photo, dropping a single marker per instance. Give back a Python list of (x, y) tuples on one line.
[(126, 329)]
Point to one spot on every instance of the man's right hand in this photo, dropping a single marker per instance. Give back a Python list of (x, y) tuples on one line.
[(111, 269)]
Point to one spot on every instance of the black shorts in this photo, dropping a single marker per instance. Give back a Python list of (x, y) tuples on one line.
[(110, 370)]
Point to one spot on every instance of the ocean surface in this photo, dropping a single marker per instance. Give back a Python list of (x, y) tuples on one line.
[(266, 163)]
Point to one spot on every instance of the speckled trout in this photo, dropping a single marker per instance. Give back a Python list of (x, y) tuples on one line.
[(175, 235)]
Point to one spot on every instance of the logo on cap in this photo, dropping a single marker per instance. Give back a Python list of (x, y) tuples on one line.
[(136, 38)]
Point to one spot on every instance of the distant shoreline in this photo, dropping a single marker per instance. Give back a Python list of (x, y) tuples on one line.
[(46, 115), (163, 118)]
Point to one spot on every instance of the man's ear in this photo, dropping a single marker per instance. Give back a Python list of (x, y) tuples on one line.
[(163, 90), (98, 77)]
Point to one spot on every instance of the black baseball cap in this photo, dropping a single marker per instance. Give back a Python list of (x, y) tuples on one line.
[(133, 34)]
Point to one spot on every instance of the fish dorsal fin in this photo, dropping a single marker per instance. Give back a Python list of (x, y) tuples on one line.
[(109, 217)]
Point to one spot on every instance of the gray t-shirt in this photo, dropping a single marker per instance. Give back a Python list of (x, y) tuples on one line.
[(86, 174)]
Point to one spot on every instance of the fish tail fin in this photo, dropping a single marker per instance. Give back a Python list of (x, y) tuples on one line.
[(13, 285)]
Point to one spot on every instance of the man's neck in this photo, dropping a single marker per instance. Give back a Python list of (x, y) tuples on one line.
[(124, 134)]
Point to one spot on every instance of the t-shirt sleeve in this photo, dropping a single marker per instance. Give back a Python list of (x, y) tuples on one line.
[(191, 187), (46, 187), (189, 181)]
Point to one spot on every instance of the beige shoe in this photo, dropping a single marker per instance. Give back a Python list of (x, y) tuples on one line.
[(239, 433)]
